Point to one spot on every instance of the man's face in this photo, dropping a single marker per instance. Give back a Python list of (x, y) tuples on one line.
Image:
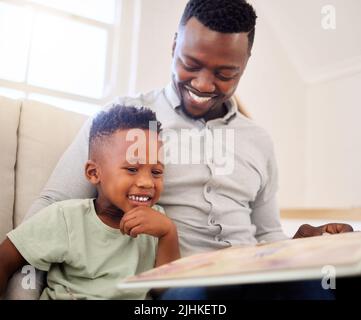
[(207, 66), (126, 181)]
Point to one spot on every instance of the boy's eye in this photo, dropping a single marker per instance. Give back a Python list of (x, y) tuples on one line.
[(157, 173), (132, 170)]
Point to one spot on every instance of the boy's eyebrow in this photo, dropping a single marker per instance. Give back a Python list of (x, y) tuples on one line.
[(137, 160), (228, 67)]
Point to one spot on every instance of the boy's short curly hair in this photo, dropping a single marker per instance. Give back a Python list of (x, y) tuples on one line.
[(120, 117), (225, 16)]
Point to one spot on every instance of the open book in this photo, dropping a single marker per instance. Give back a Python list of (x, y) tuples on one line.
[(300, 259)]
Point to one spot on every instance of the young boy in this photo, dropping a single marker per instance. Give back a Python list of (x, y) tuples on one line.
[(86, 246)]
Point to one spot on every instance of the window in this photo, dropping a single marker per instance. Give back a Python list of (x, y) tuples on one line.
[(59, 51)]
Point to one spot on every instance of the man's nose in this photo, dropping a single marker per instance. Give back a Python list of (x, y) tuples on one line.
[(145, 181), (204, 82)]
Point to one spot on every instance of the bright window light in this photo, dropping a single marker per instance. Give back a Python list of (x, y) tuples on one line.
[(68, 56), (11, 93), (71, 105), (101, 10), (15, 28)]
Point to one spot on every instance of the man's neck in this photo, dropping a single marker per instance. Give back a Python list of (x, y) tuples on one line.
[(216, 113)]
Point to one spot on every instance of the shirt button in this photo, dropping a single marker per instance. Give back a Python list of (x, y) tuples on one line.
[(209, 189)]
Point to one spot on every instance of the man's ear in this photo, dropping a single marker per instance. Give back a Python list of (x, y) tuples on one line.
[(92, 172), (174, 43)]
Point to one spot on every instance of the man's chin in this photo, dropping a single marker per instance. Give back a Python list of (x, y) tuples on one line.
[(192, 114)]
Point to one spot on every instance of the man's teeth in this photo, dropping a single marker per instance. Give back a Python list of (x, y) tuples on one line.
[(199, 99), (140, 199)]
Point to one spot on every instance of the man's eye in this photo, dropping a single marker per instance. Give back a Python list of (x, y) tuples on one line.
[(191, 69), (132, 170), (225, 77)]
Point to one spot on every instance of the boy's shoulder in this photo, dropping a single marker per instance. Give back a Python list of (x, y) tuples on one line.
[(73, 204)]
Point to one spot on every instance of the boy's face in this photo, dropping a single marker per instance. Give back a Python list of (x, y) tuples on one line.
[(129, 173), (207, 66)]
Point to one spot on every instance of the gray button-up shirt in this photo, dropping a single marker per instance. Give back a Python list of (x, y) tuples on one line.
[(221, 194)]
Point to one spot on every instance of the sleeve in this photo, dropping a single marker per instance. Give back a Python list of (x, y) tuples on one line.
[(265, 211), (159, 208), (68, 181), (43, 239)]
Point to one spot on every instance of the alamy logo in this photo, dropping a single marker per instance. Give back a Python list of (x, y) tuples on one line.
[(29, 280), (215, 148), (328, 21), (329, 277)]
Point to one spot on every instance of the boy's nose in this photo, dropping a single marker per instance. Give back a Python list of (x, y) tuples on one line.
[(145, 181)]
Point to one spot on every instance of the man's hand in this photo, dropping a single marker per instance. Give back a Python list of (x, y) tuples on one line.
[(145, 220), (306, 230)]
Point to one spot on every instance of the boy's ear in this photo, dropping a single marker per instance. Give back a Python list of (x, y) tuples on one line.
[(92, 172), (174, 43)]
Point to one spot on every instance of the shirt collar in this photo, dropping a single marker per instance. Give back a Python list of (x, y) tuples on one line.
[(172, 96), (174, 101)]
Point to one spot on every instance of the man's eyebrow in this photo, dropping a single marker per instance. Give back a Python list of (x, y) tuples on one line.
[(218, 67)]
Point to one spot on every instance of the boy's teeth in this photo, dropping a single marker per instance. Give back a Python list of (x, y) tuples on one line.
[(198, 99), (140, 199)]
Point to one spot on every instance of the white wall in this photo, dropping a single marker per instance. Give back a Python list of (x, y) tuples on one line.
[(159, 22), (275, 95), (271, 89), (334, 143), (314, 127)]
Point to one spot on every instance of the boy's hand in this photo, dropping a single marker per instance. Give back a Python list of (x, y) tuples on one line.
[(145, 220), (306, 230)]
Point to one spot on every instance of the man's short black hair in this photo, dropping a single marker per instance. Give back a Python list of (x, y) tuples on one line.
[(120, 117), (225, 16)]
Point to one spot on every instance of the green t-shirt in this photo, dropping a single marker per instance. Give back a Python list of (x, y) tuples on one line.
[(84, 257)]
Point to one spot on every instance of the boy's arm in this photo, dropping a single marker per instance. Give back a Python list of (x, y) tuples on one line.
[(10, 261), (168, 247), (145, 220)]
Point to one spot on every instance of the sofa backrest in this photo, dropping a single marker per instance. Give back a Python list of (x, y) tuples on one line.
[(36, 139)]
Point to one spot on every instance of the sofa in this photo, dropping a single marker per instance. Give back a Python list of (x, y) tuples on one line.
[(33, 136)]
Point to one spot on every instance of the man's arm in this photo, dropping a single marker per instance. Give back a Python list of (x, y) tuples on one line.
[(10, 261), (266, 218), (67, 180)]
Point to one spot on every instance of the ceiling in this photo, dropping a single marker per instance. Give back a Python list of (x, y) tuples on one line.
[(317, 54)]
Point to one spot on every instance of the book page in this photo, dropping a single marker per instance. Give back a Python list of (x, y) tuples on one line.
[(289, 259)]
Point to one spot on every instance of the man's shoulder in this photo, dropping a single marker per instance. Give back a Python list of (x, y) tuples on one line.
[(251, 130)]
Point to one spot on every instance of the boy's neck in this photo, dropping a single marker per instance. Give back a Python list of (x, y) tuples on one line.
[(108, 213)]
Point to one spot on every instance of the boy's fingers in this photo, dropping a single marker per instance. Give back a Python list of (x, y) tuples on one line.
[(129, 225), (135, 231), (125, 219)]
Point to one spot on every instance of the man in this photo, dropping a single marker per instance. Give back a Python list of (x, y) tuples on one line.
[(211, 208)]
